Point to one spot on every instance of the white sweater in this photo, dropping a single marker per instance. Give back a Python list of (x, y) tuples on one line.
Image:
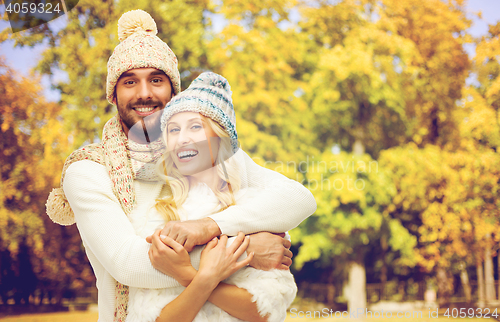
[(273, 291), (117, 253)]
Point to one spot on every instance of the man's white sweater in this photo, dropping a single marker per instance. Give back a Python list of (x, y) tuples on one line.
[(116, 253)]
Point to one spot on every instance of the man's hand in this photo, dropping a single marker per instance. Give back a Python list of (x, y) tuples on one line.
[(191, 233), (271, 251)]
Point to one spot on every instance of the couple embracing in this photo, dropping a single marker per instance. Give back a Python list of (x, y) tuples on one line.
[(178, 223)]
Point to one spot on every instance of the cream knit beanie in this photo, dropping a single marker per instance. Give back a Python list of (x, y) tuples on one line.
[(139, 47)]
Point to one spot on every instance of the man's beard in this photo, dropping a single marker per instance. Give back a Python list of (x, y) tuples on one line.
[(147, 128)]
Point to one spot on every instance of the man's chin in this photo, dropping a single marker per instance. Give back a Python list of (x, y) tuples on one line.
[(147, 128)]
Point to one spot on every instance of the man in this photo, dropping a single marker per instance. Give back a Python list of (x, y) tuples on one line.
[(106, 184)]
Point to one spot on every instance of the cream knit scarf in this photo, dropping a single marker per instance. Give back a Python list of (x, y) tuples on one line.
[(125, 161)]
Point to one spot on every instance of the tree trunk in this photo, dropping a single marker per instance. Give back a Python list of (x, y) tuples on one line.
[(383, 269), (356, 292), (464, 278), (443, 287), (356, 299), (489, 280), (498, 271), (480, 283)]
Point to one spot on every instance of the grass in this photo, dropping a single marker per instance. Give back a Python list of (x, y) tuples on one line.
[(92, 317)]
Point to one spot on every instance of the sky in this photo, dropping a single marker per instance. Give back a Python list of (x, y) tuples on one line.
[(24, 60)]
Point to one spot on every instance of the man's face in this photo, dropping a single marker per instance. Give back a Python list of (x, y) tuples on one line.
[(141, 95)]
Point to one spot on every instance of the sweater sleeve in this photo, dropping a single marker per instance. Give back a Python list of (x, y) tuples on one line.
[(281, 204), (105, 229)]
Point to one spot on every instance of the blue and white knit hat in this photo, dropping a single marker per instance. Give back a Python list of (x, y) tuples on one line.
[(210, 95)]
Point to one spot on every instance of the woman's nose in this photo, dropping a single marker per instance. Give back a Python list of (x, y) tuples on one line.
[(144, 91), (184, 137)]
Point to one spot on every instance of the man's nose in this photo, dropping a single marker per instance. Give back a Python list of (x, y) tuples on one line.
[(144, 91)]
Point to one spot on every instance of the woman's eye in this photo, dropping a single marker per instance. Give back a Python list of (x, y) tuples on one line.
[(196, 127), (173, 130)]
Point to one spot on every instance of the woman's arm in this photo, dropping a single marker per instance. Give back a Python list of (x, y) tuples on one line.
[(217, 263), (237, 302), (186, 306)]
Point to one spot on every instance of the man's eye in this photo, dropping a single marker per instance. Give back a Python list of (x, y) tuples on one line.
[(129, 82), (156, 80)]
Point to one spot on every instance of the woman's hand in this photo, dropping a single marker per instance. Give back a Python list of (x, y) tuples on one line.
[(171, 258), (218, 262)]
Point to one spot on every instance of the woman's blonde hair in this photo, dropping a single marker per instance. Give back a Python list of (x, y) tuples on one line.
[(177, 185)]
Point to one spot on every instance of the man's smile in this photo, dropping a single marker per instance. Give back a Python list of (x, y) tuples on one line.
[(144, 110)]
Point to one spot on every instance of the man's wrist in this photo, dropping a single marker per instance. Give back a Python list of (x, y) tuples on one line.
[(212, 227)]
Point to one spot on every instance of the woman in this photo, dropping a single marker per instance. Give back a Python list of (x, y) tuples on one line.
[(204, 174)]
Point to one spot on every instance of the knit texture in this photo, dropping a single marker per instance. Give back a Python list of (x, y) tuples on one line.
[(112, 153), (210, 95), (139, 47), (144, 157)]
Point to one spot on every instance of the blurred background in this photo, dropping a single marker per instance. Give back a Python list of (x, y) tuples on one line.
[(388, 111)]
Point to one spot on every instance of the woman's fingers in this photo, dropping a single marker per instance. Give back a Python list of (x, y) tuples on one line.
[(222, 241), (159, 245), (236, 242), (242, 247), (178, 248), (244, 262), (149, 239), (211, 244)]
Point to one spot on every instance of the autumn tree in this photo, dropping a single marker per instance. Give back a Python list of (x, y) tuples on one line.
[(482, 130), (36, 254), (264, 59), (383, 76), (80, 50)]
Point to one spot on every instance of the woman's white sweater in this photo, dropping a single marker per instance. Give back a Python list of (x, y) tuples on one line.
[(117, 253)]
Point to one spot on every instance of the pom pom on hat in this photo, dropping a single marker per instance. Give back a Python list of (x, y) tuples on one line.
[(209, 79), (58, 208), (134, 21)]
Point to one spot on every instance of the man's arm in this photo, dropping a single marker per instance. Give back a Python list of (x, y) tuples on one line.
[(279, 205), (105, 229)]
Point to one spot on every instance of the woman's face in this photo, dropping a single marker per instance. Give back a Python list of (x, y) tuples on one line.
[(192, 143)]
